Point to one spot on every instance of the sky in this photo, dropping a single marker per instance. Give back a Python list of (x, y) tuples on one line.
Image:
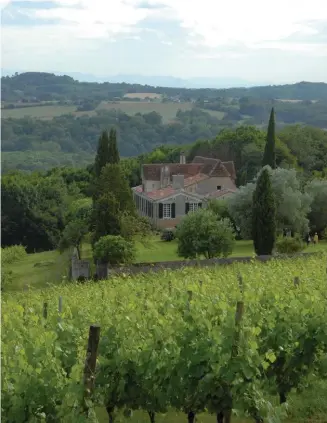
[(280, 41)]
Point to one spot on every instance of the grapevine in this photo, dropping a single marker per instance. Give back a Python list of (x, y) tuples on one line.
[(162, 347)]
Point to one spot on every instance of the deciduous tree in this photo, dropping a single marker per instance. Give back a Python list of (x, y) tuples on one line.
[(292, 205), (202, 234)]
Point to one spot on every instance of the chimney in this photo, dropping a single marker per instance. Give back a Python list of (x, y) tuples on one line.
[(164, 176), (178, 181), (182, 158)]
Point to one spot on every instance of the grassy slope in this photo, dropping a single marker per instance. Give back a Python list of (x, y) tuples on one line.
[(38, 270)]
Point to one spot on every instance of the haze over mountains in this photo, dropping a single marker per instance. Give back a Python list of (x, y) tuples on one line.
[(157, 80)]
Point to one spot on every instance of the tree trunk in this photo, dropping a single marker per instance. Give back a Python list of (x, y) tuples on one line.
[(220, 417), (152, 416), (110, 411), (78, 249), (282, 398), (228, 416), (190, 417)]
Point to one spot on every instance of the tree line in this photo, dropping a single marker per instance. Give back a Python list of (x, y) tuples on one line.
[(42, 86), (30, 144), (37, 208)]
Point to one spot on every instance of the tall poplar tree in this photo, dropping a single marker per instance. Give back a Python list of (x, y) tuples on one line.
[(113, 149), (263, 215), (269, 155)]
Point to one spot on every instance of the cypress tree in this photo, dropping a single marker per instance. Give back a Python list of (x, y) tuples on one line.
[(106, 217), (269, 155), (113, 197), (263, 215), (113, 149), (103, 154)]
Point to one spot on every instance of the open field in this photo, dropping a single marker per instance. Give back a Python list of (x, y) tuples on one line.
[(39, 112), (143, 95), (167, 110), (215, 113), (37, 270), (155, 344)]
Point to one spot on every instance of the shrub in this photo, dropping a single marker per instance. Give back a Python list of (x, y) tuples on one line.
[(114, 250), (6, 278), (168, 235), (11, 254), (202, 234), (289, 245)]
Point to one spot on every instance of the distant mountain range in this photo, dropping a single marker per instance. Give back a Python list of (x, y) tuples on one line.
[(162, 81)]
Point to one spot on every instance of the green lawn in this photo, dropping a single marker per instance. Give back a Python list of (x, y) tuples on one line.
[(50, 267)]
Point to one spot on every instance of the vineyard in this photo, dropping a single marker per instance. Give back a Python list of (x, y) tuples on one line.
[(228, 340)]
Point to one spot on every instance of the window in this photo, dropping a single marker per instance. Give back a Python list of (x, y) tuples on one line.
[(193, 207), (167, 211), (218, 187)]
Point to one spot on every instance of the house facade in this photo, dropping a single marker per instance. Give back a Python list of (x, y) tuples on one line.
[(170, 191)]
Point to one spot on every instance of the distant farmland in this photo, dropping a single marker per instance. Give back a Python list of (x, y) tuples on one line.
[(143, 95), (166, 110), (40, 112)]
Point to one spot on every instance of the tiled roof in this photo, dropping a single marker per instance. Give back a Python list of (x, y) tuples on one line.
[(152, 172), (220, 193), (230, 168), (205, 160), (161, 193), (215, 167), (139, 188), (220, 171), (194, 179), (204, 165)]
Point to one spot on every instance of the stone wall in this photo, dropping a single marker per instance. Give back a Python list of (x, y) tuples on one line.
[(175, 265), (80, 268)]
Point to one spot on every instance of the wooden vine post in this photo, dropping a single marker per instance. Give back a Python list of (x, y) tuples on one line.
[(45, 310), (296, 281), (235, 349), (90, 364), (60, 308), (190, 296), (238, 318)]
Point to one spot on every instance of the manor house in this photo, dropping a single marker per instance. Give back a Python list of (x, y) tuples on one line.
[(170, 191)]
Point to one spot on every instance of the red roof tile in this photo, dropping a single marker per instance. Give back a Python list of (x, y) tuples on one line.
[(230, 168), (161, 193), (194, 179), (139, 188), (220, 171), (220, 193)]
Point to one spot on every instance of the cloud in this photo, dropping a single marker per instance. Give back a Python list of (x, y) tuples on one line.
[(37, 32)]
